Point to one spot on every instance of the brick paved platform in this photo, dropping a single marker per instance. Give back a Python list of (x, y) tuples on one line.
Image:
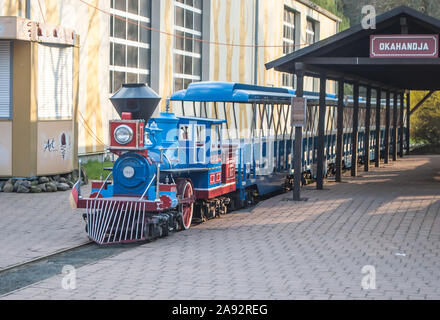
[(388, 219), (35, 225)]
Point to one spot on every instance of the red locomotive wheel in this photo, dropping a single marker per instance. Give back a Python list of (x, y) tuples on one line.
[(187, 208)]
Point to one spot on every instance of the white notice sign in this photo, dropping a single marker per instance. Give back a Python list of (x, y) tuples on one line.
[(298, 112)]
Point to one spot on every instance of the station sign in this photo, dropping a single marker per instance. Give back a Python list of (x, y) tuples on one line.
[(298, 116), (404, 46)]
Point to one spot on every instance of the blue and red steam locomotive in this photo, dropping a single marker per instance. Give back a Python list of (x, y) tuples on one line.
[(174, 170), (166, 166)]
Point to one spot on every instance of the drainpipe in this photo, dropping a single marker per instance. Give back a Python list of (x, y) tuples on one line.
[(257, 5), (28, 9)]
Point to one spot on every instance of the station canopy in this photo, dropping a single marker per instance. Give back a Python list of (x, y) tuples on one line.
[(347, 55)]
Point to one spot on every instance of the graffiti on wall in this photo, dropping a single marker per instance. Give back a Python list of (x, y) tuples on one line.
[(50, 145), (64, 144), (55, 151)]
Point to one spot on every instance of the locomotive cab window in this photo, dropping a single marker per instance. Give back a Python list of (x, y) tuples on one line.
[(215, 137), (200, 143), (200, 134), (185, 132)]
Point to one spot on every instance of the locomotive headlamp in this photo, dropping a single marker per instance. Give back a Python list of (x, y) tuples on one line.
[(123, 134), (128, 172)]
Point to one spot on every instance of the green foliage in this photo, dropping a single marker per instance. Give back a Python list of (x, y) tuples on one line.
[(425, 122), (95, 169), (353, 8), (337, 8)]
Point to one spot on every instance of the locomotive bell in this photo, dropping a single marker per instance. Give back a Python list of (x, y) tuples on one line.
[(136, 98)]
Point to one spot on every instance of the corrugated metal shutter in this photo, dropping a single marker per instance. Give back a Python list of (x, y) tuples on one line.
[(5, 79), (55, 82)]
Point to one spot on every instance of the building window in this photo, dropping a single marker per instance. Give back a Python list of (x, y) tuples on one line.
[(5, 80), (288, 31), (187, 50), (287, 80), (289, 41), (312, 36), (310, 32), (130, 42)]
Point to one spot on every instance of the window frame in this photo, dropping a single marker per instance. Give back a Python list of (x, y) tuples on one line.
[(313, 32), (142, 70), (288, 80), (203, 133), (292, 29), (189, 132), (182, 77), (11, 79), (41, 116)]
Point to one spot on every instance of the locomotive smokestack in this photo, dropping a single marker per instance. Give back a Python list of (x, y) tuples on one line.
[(136, 98)]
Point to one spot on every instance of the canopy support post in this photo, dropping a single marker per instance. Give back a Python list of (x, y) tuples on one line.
[(378, 127), (340, 133), (321, 129), (408, 121), (402, 128), (367, 131), (355, 132), (387, 130), (297, 154), (395, 127)]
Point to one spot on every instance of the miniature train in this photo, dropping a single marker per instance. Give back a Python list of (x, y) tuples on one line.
[(173, 170)]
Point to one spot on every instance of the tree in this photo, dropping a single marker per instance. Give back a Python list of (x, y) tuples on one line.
[(353, 9), (337, 8), (425, 122)]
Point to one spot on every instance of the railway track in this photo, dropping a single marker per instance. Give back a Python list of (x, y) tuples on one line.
[(21, 264), (30, 272)]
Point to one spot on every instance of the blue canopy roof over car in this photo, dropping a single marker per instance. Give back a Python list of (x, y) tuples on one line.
[(206, 120), (238, 93)]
